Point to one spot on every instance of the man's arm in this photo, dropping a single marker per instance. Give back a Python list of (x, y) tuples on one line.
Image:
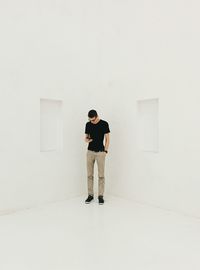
[(107, 140), (87, 138)]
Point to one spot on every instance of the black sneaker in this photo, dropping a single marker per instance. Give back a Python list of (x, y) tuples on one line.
[(101, 200), (89, 199)]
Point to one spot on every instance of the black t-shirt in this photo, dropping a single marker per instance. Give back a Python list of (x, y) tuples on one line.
[(96, 132)]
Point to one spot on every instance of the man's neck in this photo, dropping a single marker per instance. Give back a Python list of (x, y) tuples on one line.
[(97, 121)]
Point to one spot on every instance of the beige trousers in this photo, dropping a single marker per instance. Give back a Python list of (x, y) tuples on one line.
[(100, 158)]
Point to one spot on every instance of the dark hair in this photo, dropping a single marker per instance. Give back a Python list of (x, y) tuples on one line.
[(92, 113)]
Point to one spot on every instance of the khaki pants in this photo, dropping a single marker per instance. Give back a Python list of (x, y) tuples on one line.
[(100, 158)]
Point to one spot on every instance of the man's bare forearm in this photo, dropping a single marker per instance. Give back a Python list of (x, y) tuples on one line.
[(107, 144)]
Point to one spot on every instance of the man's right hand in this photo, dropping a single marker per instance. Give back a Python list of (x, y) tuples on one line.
[(88, 140)]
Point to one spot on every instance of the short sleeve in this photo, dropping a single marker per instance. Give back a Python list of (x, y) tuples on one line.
[(107, 129), (86, 129)]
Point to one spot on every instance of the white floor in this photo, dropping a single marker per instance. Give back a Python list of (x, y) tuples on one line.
[(118, 235)]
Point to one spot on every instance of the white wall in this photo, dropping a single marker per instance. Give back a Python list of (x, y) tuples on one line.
[(105, 55), (48, 49), (150, 49)]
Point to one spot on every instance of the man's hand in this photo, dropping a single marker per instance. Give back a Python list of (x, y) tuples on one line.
[(87, 139)]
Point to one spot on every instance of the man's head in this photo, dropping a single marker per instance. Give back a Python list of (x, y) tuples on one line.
[(93, 116)]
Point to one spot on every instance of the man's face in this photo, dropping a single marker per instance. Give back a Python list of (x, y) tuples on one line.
[(93, 119)]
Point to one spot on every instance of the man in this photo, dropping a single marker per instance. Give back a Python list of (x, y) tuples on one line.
[(95, 130)]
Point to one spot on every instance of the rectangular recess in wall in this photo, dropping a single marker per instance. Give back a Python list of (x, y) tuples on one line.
[(51, 125), (147, 124)]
